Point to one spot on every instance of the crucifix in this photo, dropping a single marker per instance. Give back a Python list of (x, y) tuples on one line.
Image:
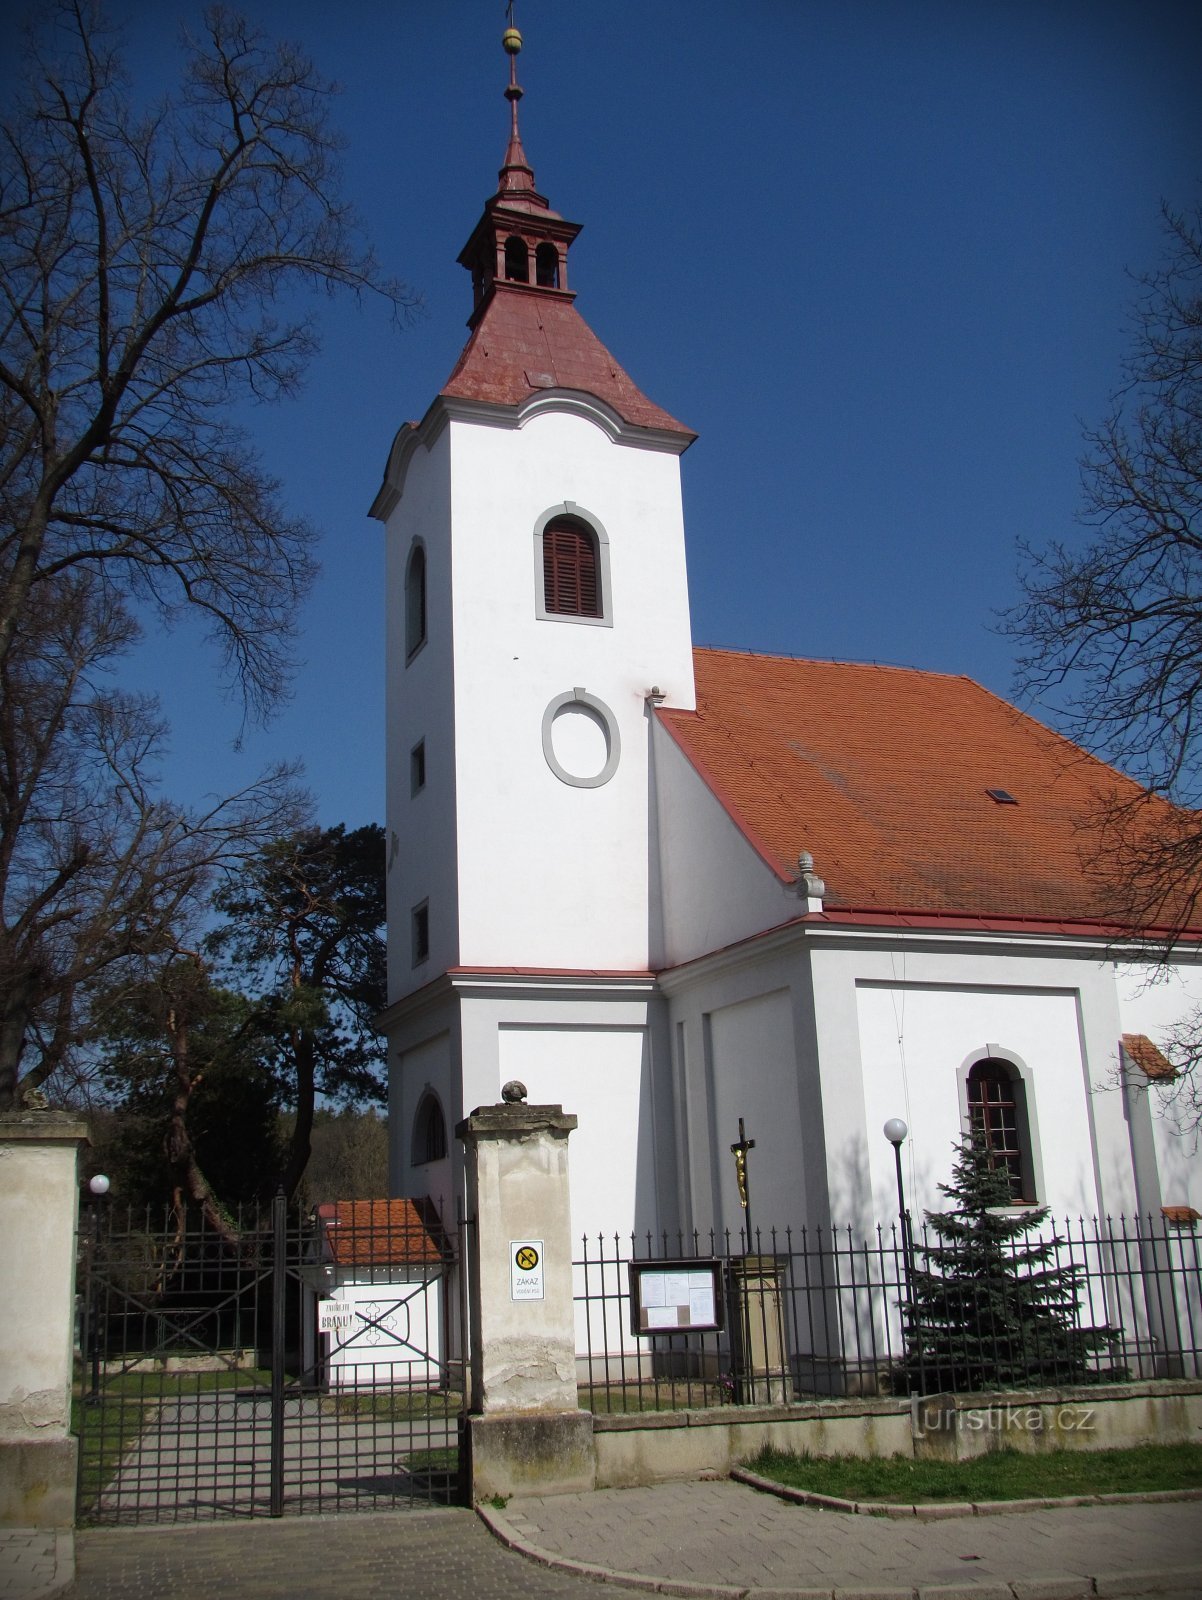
[(739, 1151)]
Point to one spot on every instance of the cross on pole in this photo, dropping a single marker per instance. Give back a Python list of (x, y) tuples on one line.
[(739, 1151)]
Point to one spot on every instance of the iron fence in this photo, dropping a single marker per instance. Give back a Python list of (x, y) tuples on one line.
[(826, 1312), (266, 1363)]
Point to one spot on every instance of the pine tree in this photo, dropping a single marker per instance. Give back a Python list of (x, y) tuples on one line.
[(992, 1308)]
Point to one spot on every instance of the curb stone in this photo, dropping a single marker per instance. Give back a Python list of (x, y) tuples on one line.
[(957, 1508)]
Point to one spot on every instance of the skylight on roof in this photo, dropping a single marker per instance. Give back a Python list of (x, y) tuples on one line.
[(1002, 797)]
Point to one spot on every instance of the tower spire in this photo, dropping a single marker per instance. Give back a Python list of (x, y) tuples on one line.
[(516, 176), (519, 242)]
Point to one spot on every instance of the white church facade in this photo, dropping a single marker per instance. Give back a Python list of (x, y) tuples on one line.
[(669, 889)]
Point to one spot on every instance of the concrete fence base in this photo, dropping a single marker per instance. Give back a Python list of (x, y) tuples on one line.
[(652, 1447)]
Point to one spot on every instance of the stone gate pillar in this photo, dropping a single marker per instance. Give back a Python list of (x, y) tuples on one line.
[(39, 1205), (526, 1432)]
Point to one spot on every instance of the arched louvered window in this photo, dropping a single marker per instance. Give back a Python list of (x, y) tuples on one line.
[(429, 1131), (997, 1113), (571, 576), (517, 260), (415, 601)]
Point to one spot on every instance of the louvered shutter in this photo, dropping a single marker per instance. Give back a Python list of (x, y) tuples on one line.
[(570, 582)]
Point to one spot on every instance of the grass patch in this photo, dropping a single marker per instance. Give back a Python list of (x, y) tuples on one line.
[(394, 1404), (439, 1459), (1000, 1475), (694, 1395)]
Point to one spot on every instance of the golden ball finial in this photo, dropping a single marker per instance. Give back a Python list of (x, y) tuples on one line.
[(512, 40)]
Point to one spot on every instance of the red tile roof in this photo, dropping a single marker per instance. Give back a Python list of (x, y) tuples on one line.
[(526, 341), (1149, 1058), (883, 774), (381, 1232)]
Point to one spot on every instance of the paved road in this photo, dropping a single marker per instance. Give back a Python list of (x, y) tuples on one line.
[(419, 1555), (716, 1539)]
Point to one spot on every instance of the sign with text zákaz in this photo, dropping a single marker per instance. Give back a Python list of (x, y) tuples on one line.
[(526, 1269)]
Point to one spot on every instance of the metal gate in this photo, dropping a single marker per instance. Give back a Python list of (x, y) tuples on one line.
[(278, 1364)]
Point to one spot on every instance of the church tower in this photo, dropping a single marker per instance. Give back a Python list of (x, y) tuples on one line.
[(537, 609)]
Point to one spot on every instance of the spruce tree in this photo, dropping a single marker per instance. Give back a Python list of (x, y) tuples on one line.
[(992, 1308)]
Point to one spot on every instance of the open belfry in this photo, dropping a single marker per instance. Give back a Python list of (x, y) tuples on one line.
[(668, 888)]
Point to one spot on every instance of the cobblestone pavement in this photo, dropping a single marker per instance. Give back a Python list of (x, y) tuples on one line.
[(702, 1538), (34, 1561), (723, 1534), (420, 1555)]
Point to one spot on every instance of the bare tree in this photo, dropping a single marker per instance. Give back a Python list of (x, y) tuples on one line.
[(97, 870), (148, 267), (151, 270), (1112, 627)]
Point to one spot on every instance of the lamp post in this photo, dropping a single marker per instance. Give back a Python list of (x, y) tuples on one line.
[(98, 1187), (896, 1131)]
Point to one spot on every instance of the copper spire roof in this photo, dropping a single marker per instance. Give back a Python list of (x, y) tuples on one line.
[(884, 775), (526, 334)]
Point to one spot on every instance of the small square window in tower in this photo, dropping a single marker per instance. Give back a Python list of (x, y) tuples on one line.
[(571, 581), (420, 931)]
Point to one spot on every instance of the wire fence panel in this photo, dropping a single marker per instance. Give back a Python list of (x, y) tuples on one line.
[(269, 1365), (826, 1312)]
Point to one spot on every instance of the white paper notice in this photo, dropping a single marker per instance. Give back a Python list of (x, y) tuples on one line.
[(651, 1287), (676, 1288), (661, 1316), (701, 1303)]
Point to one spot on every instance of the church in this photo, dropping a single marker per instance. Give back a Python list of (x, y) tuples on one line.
[(686, 893)]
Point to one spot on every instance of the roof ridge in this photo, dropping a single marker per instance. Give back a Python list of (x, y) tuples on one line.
[(831, 661)]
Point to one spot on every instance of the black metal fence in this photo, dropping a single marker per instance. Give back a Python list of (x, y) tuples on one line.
[(247, 1365), (826, 1312)]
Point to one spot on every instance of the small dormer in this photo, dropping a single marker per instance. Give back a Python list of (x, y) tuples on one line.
[(519, 241)]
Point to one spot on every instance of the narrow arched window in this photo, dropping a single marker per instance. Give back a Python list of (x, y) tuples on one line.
[(517, 260), (429, 1131), (997, 1116), (546, 266), (571, 585), (415, 601)]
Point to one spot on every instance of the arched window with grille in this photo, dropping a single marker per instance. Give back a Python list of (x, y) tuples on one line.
[(415, 600), (997, 1118), (429, 1131)]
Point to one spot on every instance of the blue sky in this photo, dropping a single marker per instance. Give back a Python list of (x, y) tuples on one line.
[(875, 253)]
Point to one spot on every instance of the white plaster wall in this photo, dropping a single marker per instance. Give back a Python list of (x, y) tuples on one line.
[(419, 704), (38, 1207), (752, 1067), (425, 1066), (1058, 1015), (551, 875), (603, 1077), (1152, 1002), (715, 888), (742, 1029), (912, 1041), (881, 1031)]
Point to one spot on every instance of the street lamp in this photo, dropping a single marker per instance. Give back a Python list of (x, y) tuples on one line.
[(98, 1186), (896, 1131)]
